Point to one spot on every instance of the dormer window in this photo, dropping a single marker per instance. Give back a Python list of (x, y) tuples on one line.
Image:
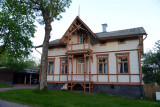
[(121, 41), (82, 38)]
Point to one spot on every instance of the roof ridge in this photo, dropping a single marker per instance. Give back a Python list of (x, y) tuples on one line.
[(119, 30)]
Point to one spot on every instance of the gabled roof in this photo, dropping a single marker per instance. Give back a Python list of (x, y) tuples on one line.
[(52, 43), (121, 33), (73, 24), (102, 35)]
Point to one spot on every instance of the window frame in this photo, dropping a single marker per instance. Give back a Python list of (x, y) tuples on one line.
[(100, 57), (104, 43), (51, 60), (87, 62), (63, 59), (85, 38), (123, 55), (124, 41), (77, 65)]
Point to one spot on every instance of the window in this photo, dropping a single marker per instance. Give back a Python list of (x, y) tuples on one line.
[(64, 66), (102, 64), (82, 38), (50, 67), (80, 66), (121, 41), (63, 47), (103, 43), (123, 63)]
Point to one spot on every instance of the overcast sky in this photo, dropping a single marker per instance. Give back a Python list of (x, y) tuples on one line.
[(118, 14)]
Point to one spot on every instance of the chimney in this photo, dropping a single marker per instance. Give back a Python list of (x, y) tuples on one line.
[(104, 27)]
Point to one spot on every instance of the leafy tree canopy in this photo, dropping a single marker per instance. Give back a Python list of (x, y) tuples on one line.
[(16, 29), (19, 64), (45, 12), (151, 65)]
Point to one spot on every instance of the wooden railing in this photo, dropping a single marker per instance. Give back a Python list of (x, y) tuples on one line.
[(73, 47), (88, 77)]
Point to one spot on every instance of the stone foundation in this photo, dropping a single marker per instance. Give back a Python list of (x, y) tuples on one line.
[(55, 86), (132, 91)]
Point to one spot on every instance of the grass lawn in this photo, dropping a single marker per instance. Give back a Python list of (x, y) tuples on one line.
[(5, 85), (72, 99)]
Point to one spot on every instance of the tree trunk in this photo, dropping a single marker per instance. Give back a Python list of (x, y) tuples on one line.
[(43, 81)]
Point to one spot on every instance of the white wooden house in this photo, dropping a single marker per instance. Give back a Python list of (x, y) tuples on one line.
[(108, 62)]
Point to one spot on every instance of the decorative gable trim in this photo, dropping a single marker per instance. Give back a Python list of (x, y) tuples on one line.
[(70, 30)]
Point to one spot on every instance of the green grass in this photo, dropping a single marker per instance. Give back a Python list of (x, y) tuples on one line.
[(5, 85), (72, 99)]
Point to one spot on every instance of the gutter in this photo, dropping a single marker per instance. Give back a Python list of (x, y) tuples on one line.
[(37, 50), (118, 37)]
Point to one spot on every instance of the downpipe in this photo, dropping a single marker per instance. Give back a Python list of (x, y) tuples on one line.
[(140, 68)]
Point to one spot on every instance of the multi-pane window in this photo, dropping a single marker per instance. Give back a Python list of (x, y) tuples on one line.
[(64, 66), (50, 67), (123, 63), (80, 66), (102, 65), (82, 38)]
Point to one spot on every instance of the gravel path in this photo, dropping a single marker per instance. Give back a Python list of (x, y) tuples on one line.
[(10, 104), (16, 86)]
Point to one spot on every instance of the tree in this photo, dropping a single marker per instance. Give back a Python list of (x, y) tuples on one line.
[(151, 65), (45, 11), (18, 64), (49, 10), (16, 29)]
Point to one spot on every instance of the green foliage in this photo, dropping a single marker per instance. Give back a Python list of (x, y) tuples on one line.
[(48, 10), (18, 64), (16, 28), (45, 11), (72, 99), (151, 65), (15, 64)]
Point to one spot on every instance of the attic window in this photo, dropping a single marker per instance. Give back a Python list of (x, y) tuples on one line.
[(82, 38), (103, 43), (121, 41)]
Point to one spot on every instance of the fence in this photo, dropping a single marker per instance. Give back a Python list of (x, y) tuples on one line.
[(150, 90)]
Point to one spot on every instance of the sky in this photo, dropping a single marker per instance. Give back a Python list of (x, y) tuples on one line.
[(118, 14)]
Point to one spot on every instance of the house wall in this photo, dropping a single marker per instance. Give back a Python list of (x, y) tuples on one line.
[(57, 52), (6, 76), (134, 68), (111, 48), (74, 38)]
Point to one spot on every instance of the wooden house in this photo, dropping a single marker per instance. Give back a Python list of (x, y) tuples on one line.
[(107, 62)]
